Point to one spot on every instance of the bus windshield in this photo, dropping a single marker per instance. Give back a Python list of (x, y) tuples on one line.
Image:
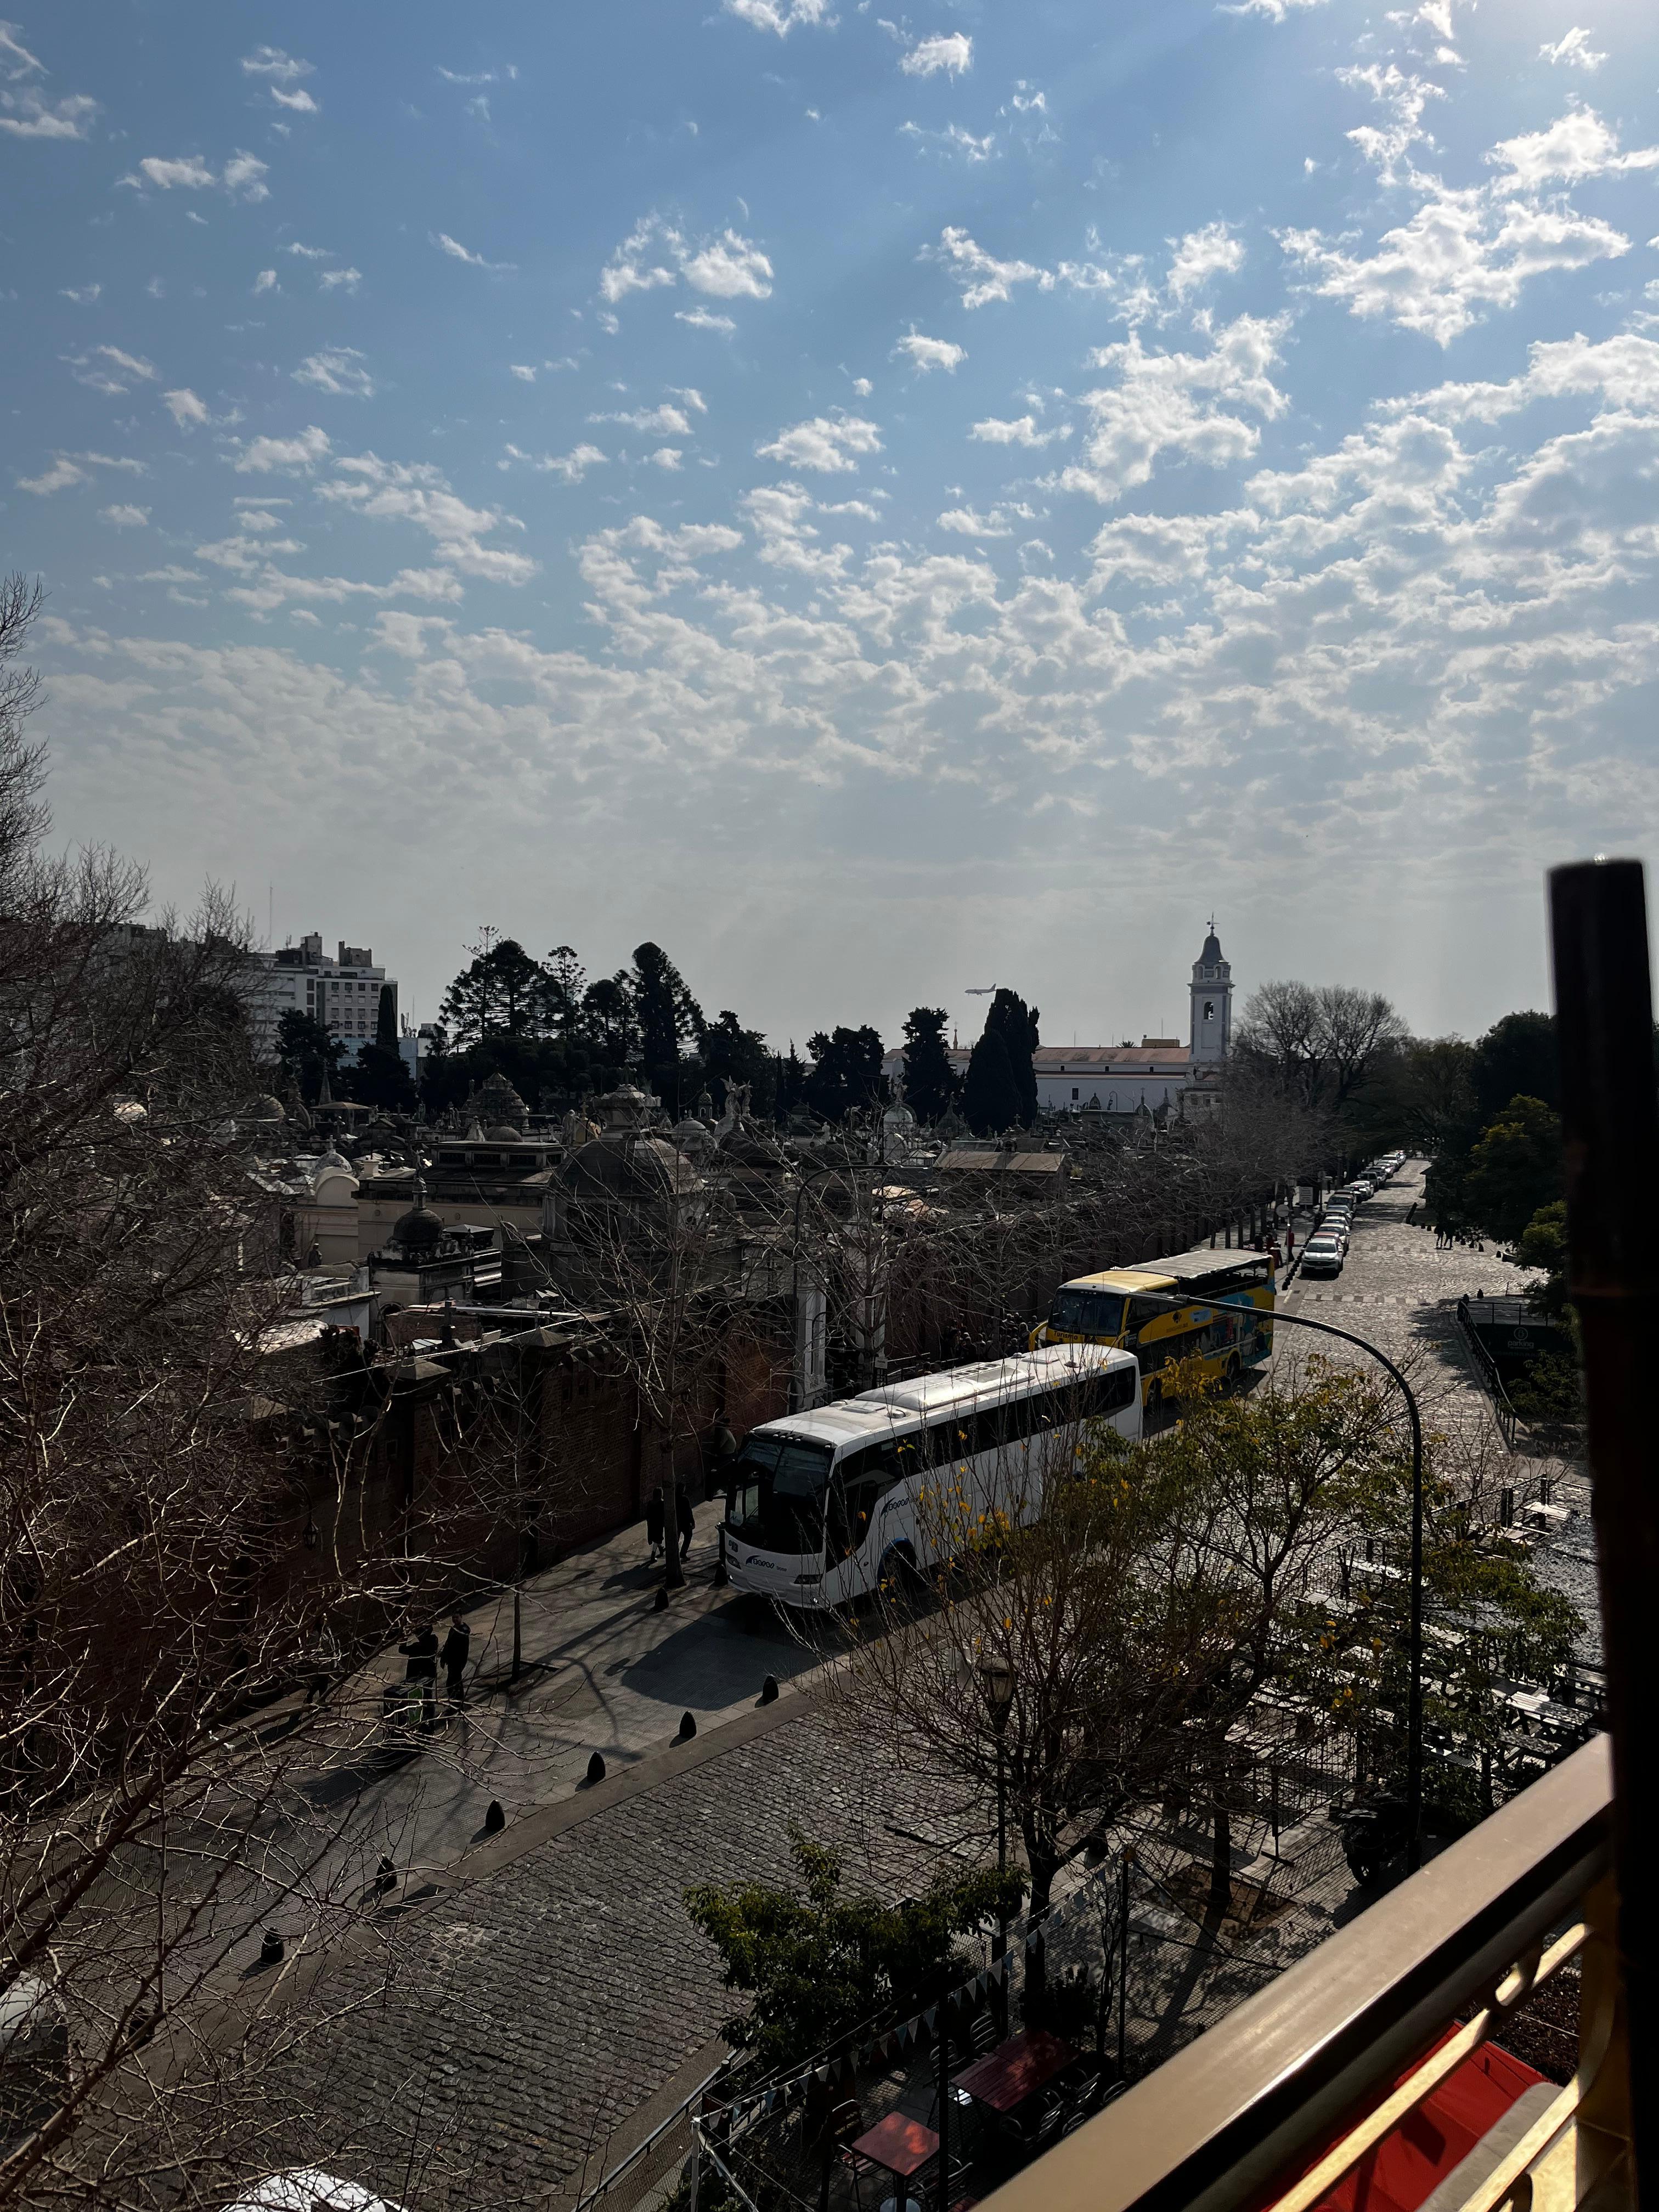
[(778, 1488), (1087, 1313)]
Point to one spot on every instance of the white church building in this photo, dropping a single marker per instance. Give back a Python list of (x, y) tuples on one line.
[(1158, 1072)]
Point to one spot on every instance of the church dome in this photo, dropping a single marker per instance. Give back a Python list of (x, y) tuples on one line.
[(1210, 956), (503, 1134), (418, 1230), (627, 1168)]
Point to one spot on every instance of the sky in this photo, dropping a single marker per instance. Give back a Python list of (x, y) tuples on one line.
[(882, 504)]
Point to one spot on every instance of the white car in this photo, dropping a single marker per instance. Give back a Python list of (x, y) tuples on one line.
[(1333, 1225), (308, 2189), (1321, 1256)]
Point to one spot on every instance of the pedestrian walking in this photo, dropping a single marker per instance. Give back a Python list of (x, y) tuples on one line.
[(654, 1523), (421, 1653), (458, 1646), (685, 1519)]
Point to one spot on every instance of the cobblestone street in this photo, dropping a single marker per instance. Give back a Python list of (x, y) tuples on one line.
[(499, 2034)]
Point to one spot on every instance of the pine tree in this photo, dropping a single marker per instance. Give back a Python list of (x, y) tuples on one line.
[(990, 1096), (930, 1081), (669, 1018), (385, 1018)]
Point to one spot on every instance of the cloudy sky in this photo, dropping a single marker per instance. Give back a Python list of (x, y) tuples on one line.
[(879, 502)]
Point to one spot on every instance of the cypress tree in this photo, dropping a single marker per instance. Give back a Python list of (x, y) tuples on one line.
[(990, 1096), (1016, 1024)]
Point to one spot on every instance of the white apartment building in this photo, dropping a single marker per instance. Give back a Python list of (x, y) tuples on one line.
[(343, 994)]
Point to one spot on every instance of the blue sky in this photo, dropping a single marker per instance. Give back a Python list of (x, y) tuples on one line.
[(879, 502)]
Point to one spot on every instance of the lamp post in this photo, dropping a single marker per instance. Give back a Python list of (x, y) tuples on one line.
[(997, 1678), (797, 1379), (1415, 1690)]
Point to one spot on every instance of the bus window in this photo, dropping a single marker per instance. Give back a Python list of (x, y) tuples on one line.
[(777, 1493), (1087, 1313)]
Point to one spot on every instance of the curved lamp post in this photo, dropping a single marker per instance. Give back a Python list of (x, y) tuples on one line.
[(1414, 1693)]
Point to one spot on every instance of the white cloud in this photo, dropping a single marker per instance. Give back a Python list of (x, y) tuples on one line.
[(243, 176), (69, 469), (309, 252), (657, 253), (825, 443), (1404, 99), (522, 369), (781, 15), (186, 408), (1572, 49), (950, 50), (1462, 254), (336, 280), (192, 173), (1576, 145), (925, 353), (730, 268), (300, 101), (965, 522), (1021, 431), (1201, 254), (107, 369), (1622, 371), (25, 112), (457, 251), (1274, 10), (272, 63), (1194, 405), (953, 140), (980, 276), (569, 468), (262, 455), (125, 518), (416, 492), (667, 457), (83, 294), (658, 422), (705, 318), (479, 76), (863, 387), (336, 370)]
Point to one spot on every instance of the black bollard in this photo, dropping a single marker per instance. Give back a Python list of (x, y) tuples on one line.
[(770, 1690), (661, 1605), (495, 1818), (272, 1950), (596, 1767), (688, 1727)]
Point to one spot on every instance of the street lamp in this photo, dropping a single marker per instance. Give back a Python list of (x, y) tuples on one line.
[(997, 1678), (1414, 1692)]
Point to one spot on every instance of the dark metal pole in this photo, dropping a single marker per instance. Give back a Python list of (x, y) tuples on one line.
[(945, 2093), (1610, 1129), (1123, 1963), (797, 1378), (1414, 1645)]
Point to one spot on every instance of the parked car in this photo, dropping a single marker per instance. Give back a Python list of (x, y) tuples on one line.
[(1334, 1225), (1321, 1256)]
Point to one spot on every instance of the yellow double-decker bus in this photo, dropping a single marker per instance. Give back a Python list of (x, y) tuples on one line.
[(1225, 1324)]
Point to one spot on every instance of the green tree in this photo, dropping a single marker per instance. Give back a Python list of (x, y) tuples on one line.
[(381, 1077), (1515, 1059), (564, 984), (733, 1055), (818, 1964), (846, 1076), (1016, 1024), (1515, 1169), (669, 1018), (990, 1095), (930, 1081), (385, 1018), (305, 1051), (1543, 1244), (501, 994), (608, 1019)]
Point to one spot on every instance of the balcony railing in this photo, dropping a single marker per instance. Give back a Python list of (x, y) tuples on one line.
[(1276, 2104)]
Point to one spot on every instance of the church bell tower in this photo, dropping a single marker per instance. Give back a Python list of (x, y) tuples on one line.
[(1213, 1004)]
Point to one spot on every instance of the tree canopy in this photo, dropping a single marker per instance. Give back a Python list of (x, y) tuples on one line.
[(1016, 1024), (990, 1095), (846, 1076), (930, 1081)]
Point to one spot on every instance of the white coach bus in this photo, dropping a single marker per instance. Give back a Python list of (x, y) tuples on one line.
[(823, 1505)]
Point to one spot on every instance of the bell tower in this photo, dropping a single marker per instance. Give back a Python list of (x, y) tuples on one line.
[(1213, 1004)]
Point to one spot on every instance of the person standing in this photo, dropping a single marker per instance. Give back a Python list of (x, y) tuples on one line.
[(421, 1653), (458, 1644), (686, 1519), (655, 1523)]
